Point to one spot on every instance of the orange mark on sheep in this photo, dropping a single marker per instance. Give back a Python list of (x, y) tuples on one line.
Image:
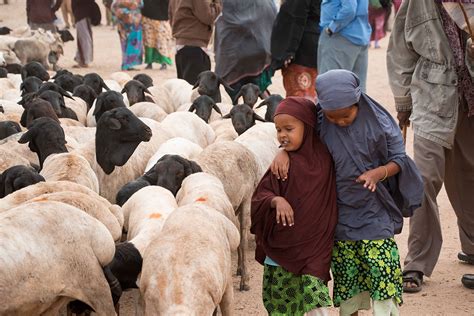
[(201, 199), (39, 199), (154, 215)]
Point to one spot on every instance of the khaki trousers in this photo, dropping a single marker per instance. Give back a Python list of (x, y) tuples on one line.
[(454, 167)]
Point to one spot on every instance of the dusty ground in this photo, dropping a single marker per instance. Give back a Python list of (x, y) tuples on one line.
[(443, 294)]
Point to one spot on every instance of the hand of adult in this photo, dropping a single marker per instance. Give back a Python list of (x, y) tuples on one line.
[(470, 48), (284, 212), (280, 165), (403, 118)]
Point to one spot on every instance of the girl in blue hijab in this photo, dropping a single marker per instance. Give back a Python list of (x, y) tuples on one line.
[(377, 185)]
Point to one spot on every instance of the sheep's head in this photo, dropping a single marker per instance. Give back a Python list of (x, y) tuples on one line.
[(135, 91), (250, 93), (29, 85), (171, 170), (106, 101), (145, 79), (3, 73), (55, 99), (125, 266), (44, 137), (16, 178), (35, 108), (8, 128), (271, 102), (67, 81), (96, 82), (35, 69), (208, 84), (129, 189), (203, 105), (118, 134), (243, 117), (85, 93)]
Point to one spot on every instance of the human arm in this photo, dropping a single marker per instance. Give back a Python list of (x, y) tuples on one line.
[(401, 63), (370, 178), (344, 16), (283, 211), (207, 11), (280, 165)]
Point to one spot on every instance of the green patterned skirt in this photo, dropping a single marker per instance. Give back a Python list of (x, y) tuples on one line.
[(366, 265), (287, 294)]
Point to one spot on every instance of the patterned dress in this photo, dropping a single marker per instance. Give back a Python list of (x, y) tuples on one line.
[(129, 24), (158, 41)]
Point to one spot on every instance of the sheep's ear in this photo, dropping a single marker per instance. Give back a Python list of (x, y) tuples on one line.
[(264, 102), (222, 82), (27, 136), (192, 108), (218, 110), (195, 168), (98, 105), (23, 118), (236, 98), (227, 116), (114, 124), (147, 91), (103, 85), (24, 73), (196, 84), (258, 117), (123, 90)]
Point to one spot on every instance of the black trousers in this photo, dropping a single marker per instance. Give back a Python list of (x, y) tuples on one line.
[(190, 62)]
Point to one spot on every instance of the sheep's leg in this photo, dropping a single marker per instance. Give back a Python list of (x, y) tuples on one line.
[(244, 209), (227, 302)]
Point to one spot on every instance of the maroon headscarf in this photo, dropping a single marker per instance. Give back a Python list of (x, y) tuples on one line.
[(305, 247)]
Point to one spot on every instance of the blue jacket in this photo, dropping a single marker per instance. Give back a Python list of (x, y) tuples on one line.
[(350, 18)]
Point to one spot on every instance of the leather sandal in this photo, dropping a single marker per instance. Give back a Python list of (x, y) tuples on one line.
[(468, 281), (414, 277), (466, 258)]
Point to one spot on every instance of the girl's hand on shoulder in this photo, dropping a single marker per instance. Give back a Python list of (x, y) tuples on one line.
[(280, 165), (284, 212), (370, 178)]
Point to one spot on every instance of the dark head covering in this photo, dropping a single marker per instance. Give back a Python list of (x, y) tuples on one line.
[(306, 247), (338, 89)]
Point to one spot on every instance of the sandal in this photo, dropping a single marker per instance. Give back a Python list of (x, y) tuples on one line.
[(413, 277), (468, 281)]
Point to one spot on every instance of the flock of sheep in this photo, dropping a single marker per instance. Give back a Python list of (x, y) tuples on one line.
[(108, 185)]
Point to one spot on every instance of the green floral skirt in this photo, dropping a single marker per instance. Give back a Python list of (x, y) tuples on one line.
[(287, 294), (366, 265)]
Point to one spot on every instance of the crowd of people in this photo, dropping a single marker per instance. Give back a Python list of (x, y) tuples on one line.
[(342, 201)]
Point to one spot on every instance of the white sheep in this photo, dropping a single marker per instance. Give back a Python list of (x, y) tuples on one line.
[(149, 110), (70, 122), (235, 166), (113, 85), (224, 130), (261, 140), (79, 107), (161, 96), (175, 146), (189, 126), (121, 78), (5, 85), (2, 60), (70, 167), (9, 158), (187, 268), (79, 133), (215, 116), (180, 91), (15, 79), (13, 95), (35, 238)]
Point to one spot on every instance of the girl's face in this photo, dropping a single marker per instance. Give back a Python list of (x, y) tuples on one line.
[(290, 131), (343, 117)]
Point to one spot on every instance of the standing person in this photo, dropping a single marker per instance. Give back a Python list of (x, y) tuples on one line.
[(294, 46), (242, 44), (157, 36), (66, 10), (377, 184), (41, 14), (129, 25), (108, 13), (294, 221), (378, 13), (191, 23), (345, 37), (431, 67), (86, 13)]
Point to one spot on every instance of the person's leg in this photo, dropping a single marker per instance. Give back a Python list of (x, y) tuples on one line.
[(321, 311), (65, 14), (388, 307), (425, 238), (360, 65), (194, 61), (356, 303), (459, 181)]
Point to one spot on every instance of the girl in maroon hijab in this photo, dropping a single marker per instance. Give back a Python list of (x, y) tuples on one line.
[(294, 220)]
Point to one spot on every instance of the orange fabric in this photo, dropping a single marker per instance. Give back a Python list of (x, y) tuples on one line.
[(300, 81)]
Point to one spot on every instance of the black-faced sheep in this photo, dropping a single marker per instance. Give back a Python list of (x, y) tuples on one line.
[(35, 69), (8, 128), (68, 82), (16, 178), (208, 84), (57, 101), (106, 101), (30, 84), (36, 108), (96, 82), (86, 93), (135, 91), (3, 72), (250, 93), (145, 79), (271, 103), (203, 106), (4, 30), (243, 117)]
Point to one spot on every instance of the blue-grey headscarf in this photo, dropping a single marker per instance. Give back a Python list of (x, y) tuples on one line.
[(338, 89)]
